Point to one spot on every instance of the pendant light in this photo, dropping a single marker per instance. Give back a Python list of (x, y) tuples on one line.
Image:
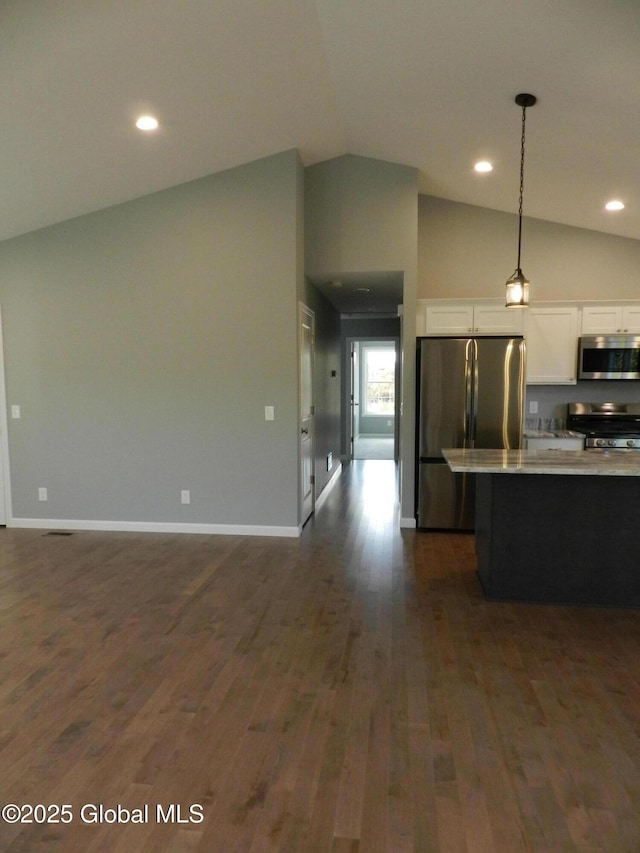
[(517, 285)]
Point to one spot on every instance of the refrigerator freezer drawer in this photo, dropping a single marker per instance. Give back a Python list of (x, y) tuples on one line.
[(446, 501)]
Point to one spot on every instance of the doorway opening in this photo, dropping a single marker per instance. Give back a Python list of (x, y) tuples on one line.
[(370, 308)]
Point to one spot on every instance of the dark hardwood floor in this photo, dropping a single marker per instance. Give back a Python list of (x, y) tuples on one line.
[(350, 691)]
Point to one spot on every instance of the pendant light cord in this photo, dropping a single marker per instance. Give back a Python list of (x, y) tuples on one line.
[(524, 111)]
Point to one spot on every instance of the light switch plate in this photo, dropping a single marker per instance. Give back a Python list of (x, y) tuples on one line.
[(15, 412), (269, 413)]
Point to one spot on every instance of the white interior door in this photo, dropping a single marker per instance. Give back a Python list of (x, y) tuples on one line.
[(306, 324)]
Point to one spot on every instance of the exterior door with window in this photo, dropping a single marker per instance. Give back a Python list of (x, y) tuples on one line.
[(379, 364), (373, 399)]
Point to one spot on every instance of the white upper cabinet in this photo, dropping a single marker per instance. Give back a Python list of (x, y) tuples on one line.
[(498, 320), (551, 329), (454, 319), (610, 319), (552, 346), (469, 318)]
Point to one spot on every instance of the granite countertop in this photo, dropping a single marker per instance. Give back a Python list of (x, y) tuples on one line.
[(556, 433), (610, 463)]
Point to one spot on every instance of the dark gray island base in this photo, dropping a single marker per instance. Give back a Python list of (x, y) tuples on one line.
[(556, 537)]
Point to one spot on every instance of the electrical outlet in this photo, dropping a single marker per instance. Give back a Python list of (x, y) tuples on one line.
[(42, 494), (533, 407), (185, 496)]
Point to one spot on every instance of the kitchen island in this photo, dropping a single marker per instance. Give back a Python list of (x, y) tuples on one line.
[(556, 526)]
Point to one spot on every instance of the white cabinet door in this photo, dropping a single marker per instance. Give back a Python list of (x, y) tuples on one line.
[(552, 346), (449, 319), (497, 320), (631, 318), (610, 319), (467, 318), (601, 320)]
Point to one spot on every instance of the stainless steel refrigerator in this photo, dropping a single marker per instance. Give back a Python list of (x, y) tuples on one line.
[(470, 394)]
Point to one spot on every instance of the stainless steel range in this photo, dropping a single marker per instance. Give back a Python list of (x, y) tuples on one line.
[(606, 425)]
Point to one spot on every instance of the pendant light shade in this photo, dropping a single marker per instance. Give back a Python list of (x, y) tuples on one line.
[(517, 290), (517, 295)]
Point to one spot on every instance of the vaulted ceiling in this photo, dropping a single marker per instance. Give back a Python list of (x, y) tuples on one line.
[(428, 84)]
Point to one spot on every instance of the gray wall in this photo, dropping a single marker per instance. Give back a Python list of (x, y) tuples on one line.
[(466, 251), (361, 215), (143, 343)]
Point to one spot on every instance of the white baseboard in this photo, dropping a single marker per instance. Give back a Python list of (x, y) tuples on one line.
[(333, 479), (407, 522), (154, 527)]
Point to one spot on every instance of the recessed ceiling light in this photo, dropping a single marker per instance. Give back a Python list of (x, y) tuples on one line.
[(483, 166), (614, 205), (147, 123)]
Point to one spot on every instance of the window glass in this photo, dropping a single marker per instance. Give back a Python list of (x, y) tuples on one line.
[(380, 368)]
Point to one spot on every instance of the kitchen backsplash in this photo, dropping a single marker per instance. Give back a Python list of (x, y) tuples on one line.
[(552, 400), (548, 424)]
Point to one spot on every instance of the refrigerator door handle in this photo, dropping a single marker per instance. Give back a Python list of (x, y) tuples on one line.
[(474, 396), (469, 363), (522, 389)]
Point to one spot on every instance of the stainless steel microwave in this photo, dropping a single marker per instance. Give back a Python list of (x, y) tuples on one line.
[(609, 357)]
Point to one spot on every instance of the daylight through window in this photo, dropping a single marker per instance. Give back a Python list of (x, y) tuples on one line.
[(380, 369)]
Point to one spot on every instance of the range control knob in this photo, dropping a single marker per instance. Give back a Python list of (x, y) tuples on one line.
[(631, 442), (600, 442), (612, 442)]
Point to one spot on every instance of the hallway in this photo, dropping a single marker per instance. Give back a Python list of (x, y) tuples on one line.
[(350, 690)]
